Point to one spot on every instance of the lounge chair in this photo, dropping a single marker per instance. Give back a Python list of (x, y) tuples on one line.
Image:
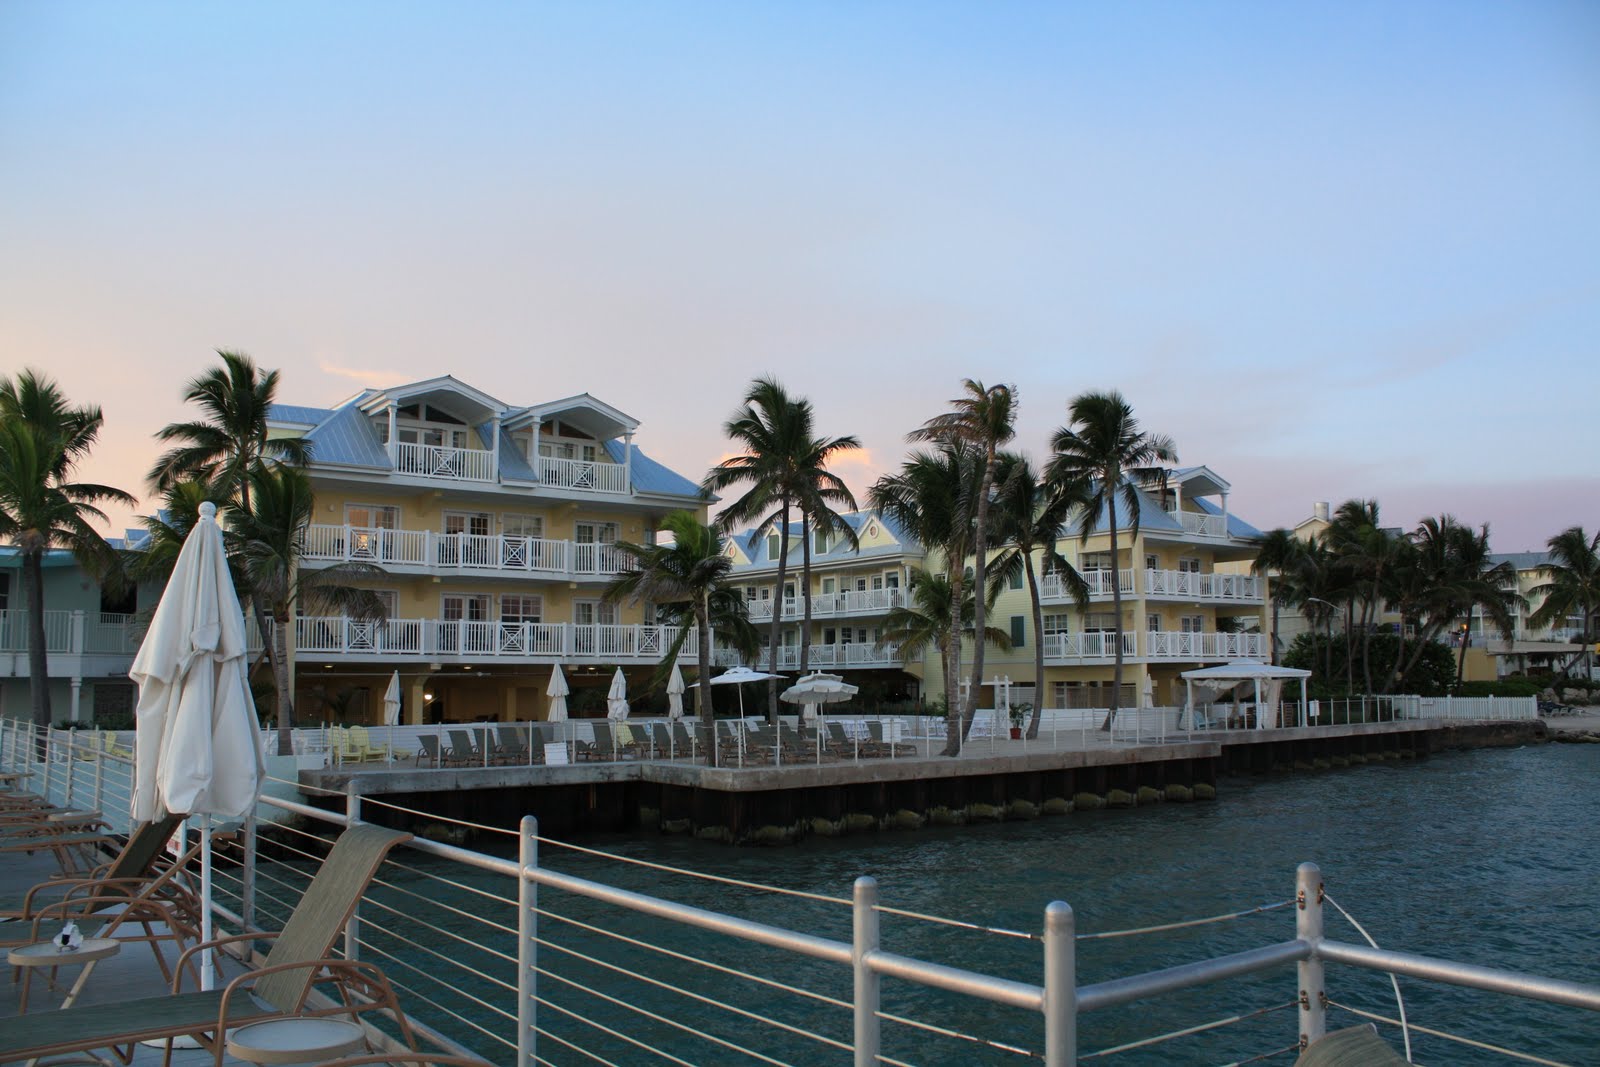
[(70, 844), (513, 744), (682, 742), (428, 749), (463, 751), (114, 749), (129, 872), (438, 1059), (887, 747), (298, 960), (661, 738)]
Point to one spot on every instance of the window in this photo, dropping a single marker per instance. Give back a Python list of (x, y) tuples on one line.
[(474, 523), (390, 600), (519, 607), (828, 586), (861, 585), (892, 579), (1099, 622), (372, 516), (125, 603), (464, 607), (1189, 565), (1152, 623), (774, 546), (1057, 623), (1014, 579), (819, 542), (516, 525), (830, 636), (846, 636), (1192, 624), (588, 533), (877, 581), (1018, 632), (1152, 562), (594, 613)]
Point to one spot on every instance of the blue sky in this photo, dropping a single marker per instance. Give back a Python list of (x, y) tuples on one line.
[(1333, 250)]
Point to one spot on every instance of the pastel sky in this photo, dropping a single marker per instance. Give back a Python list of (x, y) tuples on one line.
[(1334, 250)]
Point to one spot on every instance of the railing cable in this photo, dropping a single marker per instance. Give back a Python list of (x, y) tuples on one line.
[(1164, 927), (1188, 1031), (1405, 1031)]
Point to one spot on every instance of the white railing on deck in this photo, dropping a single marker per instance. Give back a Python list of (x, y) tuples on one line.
[(1201, 524), (1181, 644), (1051, 586), (441, 461), (340, 635), (832, 605), (584, 475), (57, 631), (1201, 586), (71, 633), (459, 551), (1095, 644)]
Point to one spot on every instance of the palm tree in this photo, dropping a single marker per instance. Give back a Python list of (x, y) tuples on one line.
[(42, 438), (1279, 556), (984, 419), (925, 621), (231, 440), (224, 447), (267, 540), (932, 499), (818, 493), (691, 570), (1372, 555), (1031, 514), (1104, 446), (774, 429), (1574, 585)]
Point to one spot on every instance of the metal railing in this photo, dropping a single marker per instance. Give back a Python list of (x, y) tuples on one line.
[(322, 542), (1053, 590), (583, 475), (832, 605), (498, 639), (441, 461), (522, 961)]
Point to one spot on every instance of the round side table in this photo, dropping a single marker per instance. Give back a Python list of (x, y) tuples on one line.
[(46, 954), (295, 1040)]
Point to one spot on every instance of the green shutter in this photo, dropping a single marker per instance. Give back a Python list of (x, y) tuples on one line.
[(1017, 631)]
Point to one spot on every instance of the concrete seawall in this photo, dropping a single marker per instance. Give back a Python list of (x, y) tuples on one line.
[(772, 805)]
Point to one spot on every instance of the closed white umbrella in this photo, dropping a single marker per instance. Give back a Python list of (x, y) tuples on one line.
[(617, 698), (557, 692), (391, 712), (675, 694), (198, 749)]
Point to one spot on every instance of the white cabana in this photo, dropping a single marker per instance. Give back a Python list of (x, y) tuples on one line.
[(813, 691), (1266, 678)]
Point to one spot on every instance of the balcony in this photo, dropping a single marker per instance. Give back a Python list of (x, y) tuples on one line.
[(583, 475), (441, 461), (461, 552), (93, 642), (1200, 524), (1192, 585), (832, 605), (1092, 647), (344, 637), (1194, 645), (1052, 590)]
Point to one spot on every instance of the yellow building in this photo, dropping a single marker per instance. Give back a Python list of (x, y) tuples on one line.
[(494, 526), (1178, 611)]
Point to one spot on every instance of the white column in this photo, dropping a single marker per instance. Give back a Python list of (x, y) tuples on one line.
[(627, 461), (494, 448), (533, 451), (394, 411), (77, 692), (1224, 514)]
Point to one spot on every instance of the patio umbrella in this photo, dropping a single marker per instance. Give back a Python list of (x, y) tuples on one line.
[(815, 690), (739, 676), (675, 694), (617, 698), (557, 692), (198, 749), (391, 711)]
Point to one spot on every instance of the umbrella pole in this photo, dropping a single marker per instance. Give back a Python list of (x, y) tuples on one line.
[(208, 977)]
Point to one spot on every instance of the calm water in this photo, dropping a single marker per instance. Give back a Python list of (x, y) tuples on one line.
[(1489, 857)]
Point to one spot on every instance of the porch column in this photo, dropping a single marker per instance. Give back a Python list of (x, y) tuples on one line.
[(414, 704), (533, 451), (1261, 718), (1224, 514), (77, 693), (494, 448), (627, 461), (394, 411)]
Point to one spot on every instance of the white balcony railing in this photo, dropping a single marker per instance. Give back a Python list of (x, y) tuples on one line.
[(440, 461), (583, 475), (72, 633), (859, 654), (1211, 586), (460, 551), (343, 636), (1053, 589), (832, 605), (1200, 524), (1194, 645), (1094, 645)]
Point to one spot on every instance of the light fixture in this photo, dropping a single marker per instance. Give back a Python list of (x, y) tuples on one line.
[(427, 698)]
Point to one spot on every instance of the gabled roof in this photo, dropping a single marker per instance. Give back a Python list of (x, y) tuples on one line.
[(446, 385), (1522, 561), (594, 417), (1201, 479), (347, 438), (754, 544)]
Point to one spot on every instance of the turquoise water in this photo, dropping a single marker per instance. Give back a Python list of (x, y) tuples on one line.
[(1488, 857)]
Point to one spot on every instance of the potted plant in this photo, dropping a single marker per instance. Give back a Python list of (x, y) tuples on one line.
[(1019, 715)]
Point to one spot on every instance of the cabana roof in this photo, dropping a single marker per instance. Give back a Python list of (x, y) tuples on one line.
[(1244, 670)]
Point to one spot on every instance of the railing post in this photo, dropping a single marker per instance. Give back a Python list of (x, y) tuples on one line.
[(527, 943), (864, 943), (352, 929), (72, 762), (99, 778), (1060, 986), (49, 762), (1308, 928)]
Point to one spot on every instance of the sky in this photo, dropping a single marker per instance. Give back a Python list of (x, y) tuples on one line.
[(1333, 250)]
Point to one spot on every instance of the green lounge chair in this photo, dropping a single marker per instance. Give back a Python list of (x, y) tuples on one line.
[(298, 960)]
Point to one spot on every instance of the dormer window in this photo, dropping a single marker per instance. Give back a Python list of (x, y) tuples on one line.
[(773, 546), (819, 542)]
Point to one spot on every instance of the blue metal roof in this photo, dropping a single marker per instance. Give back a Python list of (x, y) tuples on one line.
[(347, 437), (513, 464), (298, 413), (650, 476), (11, 556)]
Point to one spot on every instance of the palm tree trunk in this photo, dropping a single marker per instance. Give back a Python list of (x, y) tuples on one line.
[(1116, 606), (702, 696), (805, 591), (38, 658), (955, 721), (1461, 657), (980, 538), (1369, 614), (280, 675), (775, 629), (1038, 649), (1272, 656)]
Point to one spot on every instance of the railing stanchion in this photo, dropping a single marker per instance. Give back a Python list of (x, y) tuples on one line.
[(247, 876), (100, 778), (1060, 986), (1308, 928), (527, 943), (352, 930), (49, 763), (72, 763), (864, 943)]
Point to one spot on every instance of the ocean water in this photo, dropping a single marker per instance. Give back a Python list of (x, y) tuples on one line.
[(1490, 857)]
